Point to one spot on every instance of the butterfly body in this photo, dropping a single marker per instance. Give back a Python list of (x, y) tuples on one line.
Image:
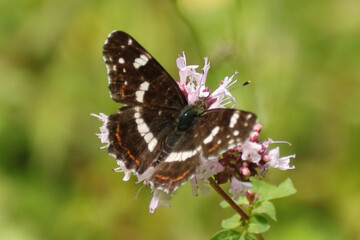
[(157, 134), (188, 116)]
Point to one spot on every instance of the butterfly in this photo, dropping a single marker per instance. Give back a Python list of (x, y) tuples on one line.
[(157, 134)]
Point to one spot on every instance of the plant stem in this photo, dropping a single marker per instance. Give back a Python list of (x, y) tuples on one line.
[(223, 194), (259, 236)]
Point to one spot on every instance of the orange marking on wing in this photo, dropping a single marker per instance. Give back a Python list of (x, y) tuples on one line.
[(172, 179), (117, 134), (122, 89), (213, 148)]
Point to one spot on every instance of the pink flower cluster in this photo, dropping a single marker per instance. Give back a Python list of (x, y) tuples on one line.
[(250, 159), (192, 84)]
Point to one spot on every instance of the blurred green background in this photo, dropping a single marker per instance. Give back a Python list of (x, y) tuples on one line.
[(303, 58)]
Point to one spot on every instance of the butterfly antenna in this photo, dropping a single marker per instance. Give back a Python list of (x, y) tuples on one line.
[(240, 85)]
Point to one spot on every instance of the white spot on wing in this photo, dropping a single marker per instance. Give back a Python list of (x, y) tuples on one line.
[(121, 60), (213, 132), (139, 96), (141, 61), (233, 119), (148, 137), (171, 157), (138, 118), (144, 86), (139, 121), (152, 144), (208, 139), (181, 156), (130, 41), (143, 128), (236, 133)]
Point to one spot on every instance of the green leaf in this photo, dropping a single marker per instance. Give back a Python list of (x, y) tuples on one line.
[(242, 200), (265, 208), (258, 224), (231, 223), (269, 191), (286, 188), (227, 235), (224, 204)]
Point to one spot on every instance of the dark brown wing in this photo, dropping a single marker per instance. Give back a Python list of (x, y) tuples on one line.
[(178, 165), (137, 135), (221, 129), (136, 78)]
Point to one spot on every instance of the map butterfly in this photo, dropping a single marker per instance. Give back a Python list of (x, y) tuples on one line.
[(156, 134)]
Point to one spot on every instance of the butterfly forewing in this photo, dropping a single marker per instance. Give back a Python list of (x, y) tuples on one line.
[(135, 77)]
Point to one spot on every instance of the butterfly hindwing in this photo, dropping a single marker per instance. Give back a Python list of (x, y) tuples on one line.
[(179, 165), (135, 77), (214, 132)]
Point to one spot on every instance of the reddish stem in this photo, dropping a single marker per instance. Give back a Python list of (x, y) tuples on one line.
[(223, 194)]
